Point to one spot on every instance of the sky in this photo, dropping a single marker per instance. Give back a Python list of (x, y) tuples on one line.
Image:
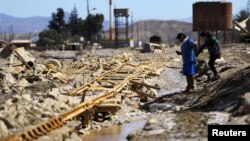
[(141, 9)]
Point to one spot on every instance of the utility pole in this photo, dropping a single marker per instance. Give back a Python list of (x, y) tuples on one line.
[(87, 7), (110, 21), (12, 32), (132, 26), (169, 40), (145, 26), (5, 37), (88, 12), (137, 32), (9, 33)]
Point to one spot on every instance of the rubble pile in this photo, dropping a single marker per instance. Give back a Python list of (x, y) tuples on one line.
[(35, 86), (34, 89)]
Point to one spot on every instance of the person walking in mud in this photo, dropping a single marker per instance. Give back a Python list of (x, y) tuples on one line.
[(188, 50), (212, 45)]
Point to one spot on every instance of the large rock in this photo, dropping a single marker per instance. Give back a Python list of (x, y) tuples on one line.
[(23, 83), (73, 101), (247, 98), (221, 60), (26, 97), (47, 104), (3, 129), (66, 89), (10, 79), (22, 119), (247, 102), (62, 98), (54, 93), (151, 124)]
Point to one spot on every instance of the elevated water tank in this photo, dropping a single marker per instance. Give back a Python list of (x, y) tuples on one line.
[(212, 16)]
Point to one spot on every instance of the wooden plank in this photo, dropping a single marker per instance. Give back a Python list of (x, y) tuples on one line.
[(99, 88), (119, 79), (141, 94), (144, 84)]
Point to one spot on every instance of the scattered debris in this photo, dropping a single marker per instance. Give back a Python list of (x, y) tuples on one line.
[(34, 93)]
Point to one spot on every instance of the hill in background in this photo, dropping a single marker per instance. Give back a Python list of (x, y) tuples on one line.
[(22, 25), (167, 29)]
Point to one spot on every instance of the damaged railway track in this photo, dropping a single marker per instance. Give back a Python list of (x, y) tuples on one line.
[(119, 78)]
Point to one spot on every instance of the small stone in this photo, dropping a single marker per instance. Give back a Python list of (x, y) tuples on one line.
[(26, 97), (54, 93), (152, 121), (247, 98), (156, 132), (82, 131), (177, 108)]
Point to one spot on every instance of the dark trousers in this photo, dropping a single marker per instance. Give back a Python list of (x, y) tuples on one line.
[(211, 63)]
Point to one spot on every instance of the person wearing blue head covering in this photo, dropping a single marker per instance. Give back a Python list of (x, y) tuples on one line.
[(188, 50)]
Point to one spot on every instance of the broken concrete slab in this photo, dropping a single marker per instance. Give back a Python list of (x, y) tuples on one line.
[(23, 83), (27, 59)]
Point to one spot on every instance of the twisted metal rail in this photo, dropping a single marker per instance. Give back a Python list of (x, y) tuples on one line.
[(60, 120)]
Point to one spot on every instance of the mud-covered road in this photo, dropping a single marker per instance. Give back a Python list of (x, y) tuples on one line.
[(185, 116), (173, 115)]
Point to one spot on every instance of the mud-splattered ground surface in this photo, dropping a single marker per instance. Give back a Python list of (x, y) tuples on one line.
[(185, 116), (26, 101)]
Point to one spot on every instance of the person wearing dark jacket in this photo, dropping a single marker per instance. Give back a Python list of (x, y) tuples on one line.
[(212, 45)]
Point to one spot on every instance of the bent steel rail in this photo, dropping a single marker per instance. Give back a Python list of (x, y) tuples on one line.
[(60, 120)]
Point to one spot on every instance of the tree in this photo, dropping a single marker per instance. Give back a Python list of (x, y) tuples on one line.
[(49, 37), (81, 26), (74, 21), (59, 31), (57, 22), (93, 25), (242, 15)]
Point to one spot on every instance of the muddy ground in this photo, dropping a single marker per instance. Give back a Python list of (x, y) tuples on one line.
[(185, 116), (26, 100)]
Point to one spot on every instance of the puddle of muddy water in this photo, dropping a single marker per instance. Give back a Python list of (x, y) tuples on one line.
[(113, 133)]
